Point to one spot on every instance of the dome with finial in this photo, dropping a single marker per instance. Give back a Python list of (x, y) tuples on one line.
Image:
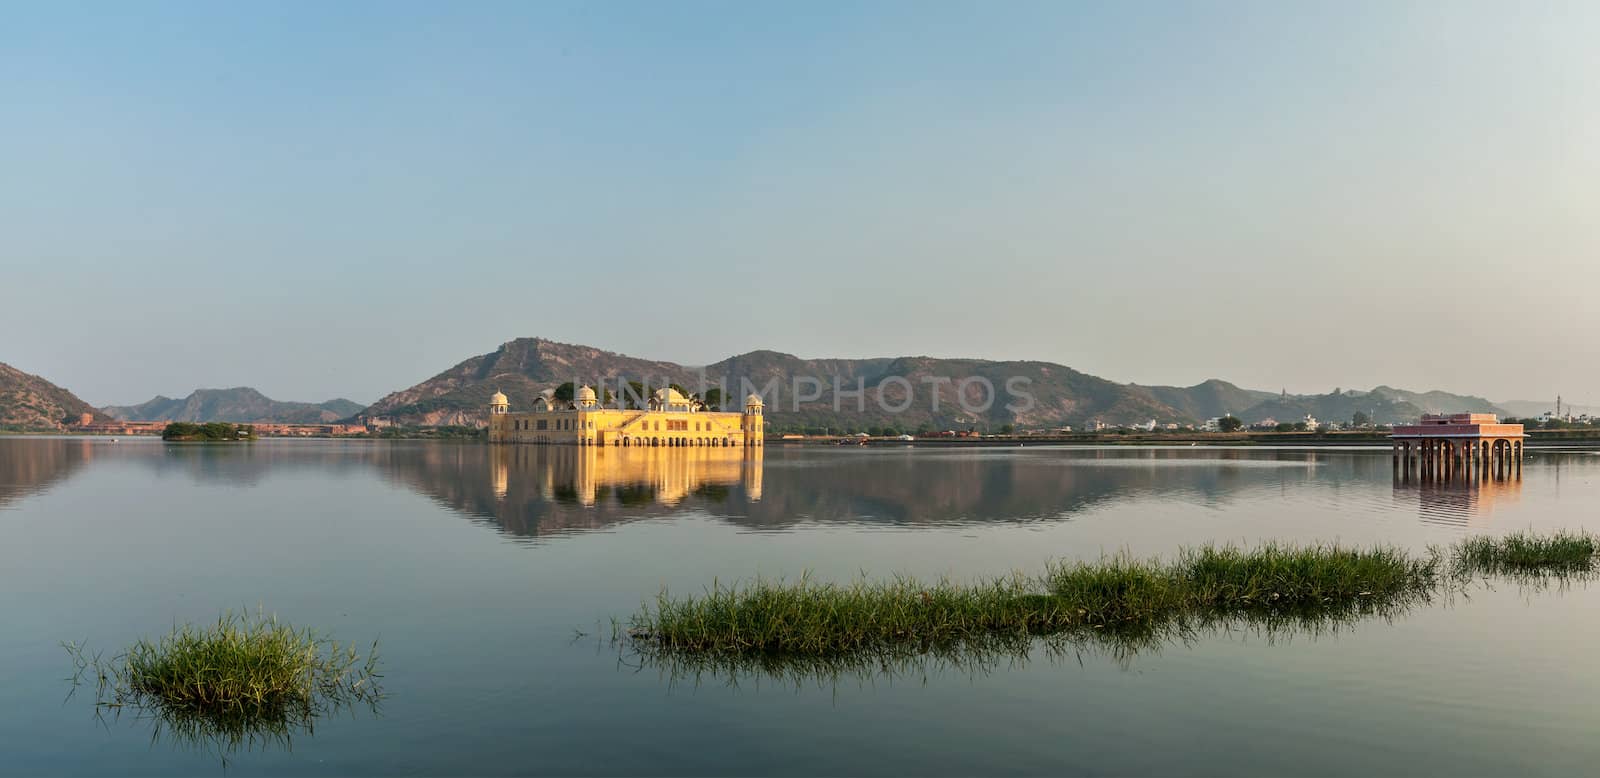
[(499, 398), (669, 395), (585, 394), (753, 399)]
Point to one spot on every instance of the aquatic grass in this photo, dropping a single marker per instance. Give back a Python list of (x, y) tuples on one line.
[(1118, 602), (244, 680), (1565, 551), (1117, 593), (810, 617)]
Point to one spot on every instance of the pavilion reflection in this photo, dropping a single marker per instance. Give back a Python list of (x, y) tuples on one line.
[(1459, 496)]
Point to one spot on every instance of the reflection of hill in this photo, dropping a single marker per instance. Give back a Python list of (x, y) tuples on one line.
[(247, 464), (534, 491), (32, 465), (26, 464), (538, 490)]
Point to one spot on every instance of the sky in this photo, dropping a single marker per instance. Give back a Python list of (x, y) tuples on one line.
[(344, 199)]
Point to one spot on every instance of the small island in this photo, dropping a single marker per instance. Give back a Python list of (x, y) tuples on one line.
[(210, 432)]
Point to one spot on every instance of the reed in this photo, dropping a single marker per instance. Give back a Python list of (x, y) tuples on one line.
[(1129, 599), (246, 679), (1119, 603), (1562, 552)]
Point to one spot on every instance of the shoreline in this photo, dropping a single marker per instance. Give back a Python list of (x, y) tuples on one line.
[(1268, 440)]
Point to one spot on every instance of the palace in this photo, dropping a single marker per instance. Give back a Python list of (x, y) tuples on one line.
[(670, 420)]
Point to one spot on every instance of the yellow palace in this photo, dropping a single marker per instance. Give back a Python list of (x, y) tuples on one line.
[(670, 420)]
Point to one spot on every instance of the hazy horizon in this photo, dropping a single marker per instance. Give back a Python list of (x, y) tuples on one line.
[(342, 201)]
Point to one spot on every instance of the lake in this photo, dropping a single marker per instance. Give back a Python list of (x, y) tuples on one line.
[(491, 575)]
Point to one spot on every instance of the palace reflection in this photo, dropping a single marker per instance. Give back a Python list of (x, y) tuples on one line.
[(536, 491), (589, 474)]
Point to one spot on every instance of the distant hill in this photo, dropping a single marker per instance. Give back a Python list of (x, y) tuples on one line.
[(30, 403), (1533, 409), (525, 367), (1384, 405), (1440, 402), (1210, 399), (240, 404), (521, 369)]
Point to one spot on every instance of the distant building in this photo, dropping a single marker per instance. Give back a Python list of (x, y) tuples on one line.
[(1312, 423), (1213, 424), (1095, 425)]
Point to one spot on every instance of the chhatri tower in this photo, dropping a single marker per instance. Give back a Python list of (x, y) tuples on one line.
[(669, 420)]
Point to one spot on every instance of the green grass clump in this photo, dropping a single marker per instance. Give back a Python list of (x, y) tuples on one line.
[(1118, 603), (1117, 599), (1565, 551), (242, 680), (1286, 577), (809, 617)]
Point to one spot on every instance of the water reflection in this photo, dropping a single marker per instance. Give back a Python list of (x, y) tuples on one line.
[(32, 465), (531, 491), (1000, 652), (1461, 499), (542, 491), (632, 476)]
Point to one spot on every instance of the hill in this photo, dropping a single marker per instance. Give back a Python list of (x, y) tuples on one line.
[(1209, 399), (1384, 405), (1440, 402), (239, 404), (525, 367), (1533, 409), (944, 393), (521, 368), (30, 403)]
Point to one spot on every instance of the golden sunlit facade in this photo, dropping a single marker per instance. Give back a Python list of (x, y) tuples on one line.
[(670, 419), (590, 472)]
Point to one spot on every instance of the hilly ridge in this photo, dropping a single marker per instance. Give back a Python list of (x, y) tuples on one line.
[(239, 404), (30, 403), (943, 392)]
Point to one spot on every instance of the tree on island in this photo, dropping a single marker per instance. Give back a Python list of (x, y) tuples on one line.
[(1229, 424), (636, 396), (209, 431)]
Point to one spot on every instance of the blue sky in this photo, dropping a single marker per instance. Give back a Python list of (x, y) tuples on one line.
[(345, 198)]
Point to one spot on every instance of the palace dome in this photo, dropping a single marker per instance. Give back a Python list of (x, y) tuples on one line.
[(753, 399), (585, 394), (499, 398)]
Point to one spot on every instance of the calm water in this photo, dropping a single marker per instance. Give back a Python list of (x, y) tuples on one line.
[(490, 576)]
